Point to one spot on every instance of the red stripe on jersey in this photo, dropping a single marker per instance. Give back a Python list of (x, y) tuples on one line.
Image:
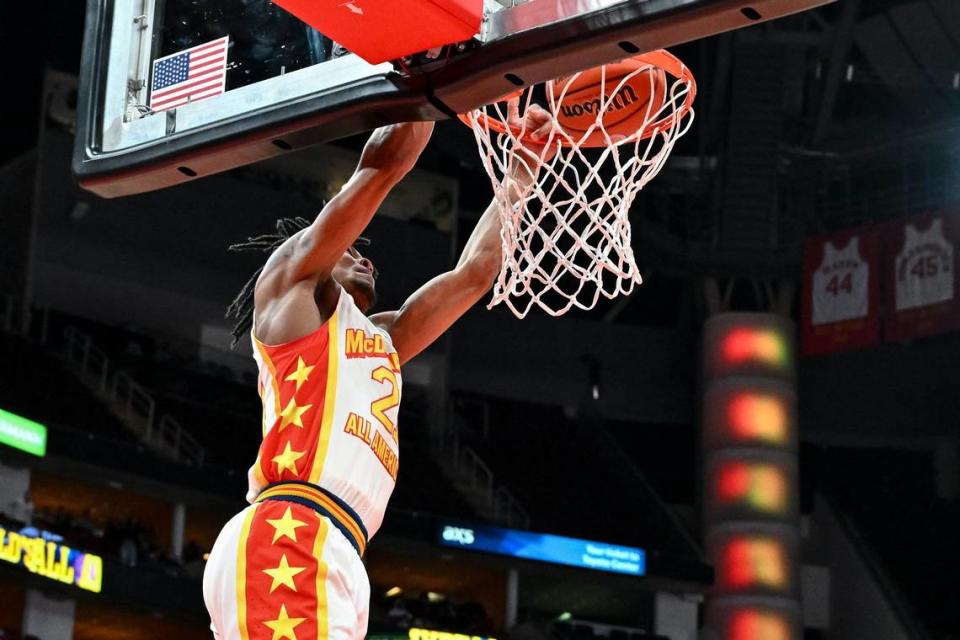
[(292, 442)]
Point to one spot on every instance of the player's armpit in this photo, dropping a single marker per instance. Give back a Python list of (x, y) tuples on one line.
[(432, 309)]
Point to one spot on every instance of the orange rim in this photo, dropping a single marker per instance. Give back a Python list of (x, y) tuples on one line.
[(661, 59)]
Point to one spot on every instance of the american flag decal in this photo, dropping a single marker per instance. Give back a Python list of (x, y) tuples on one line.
[(190, 75)]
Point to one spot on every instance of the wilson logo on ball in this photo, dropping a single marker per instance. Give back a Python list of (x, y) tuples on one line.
[(625, 97), (610, 104)]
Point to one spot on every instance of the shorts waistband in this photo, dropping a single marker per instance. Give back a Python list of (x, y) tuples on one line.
[(324, 503)]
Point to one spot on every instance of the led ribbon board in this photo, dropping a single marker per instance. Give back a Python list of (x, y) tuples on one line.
[(40, 553), (23, 434), (544, 547), (430, 634), (417, 633)]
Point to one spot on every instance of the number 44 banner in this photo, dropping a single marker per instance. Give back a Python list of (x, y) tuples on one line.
[(901, 275), (920, 266), (841, 284)]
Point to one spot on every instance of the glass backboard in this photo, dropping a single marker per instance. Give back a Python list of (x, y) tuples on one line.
[(173, 90)]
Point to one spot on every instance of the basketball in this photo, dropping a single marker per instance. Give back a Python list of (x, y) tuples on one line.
[(637, 99)]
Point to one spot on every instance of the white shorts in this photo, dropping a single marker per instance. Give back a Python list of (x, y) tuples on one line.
[(280, 569)]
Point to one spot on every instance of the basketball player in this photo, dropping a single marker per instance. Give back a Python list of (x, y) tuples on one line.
[(289, 566)]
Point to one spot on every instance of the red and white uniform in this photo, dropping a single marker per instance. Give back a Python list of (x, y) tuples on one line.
[(330, 404)]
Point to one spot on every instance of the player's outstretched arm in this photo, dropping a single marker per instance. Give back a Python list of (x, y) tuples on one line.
[(390, 153), (440, 302), (433, 308)]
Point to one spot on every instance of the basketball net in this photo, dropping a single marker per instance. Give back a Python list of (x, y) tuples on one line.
[(566, 235)]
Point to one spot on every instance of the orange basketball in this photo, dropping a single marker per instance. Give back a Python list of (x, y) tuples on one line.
[(640, 97)]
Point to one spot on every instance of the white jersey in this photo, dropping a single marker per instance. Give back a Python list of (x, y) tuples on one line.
[(924, 268), (330, 405), (841, 284)]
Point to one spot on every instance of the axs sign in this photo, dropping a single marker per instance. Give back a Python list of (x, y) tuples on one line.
[(458, 535)]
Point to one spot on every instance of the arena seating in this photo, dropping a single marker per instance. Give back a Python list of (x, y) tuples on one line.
[(877, 487), (665, 454), (421, 485), (584, 486), (401, 612), (35, 384), (220, 411)]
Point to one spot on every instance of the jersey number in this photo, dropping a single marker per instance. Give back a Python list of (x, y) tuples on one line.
[(838, 284), (380, 407), (925, 267)]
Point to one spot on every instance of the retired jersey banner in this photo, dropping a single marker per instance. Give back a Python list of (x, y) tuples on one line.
[(920, 264), (841, 283)]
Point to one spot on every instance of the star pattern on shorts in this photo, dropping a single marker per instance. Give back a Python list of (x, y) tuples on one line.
[(285, 526), (284, 625), (283, 574)]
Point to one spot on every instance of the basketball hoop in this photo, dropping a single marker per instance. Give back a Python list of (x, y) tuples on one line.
[(566, 237)]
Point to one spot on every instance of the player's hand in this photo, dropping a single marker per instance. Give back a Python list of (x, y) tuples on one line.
[(537, 126), (398, 147)]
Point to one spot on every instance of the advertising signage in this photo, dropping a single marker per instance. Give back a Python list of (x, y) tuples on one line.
[(23, 434), (43, 553), (430, 634), (527, 545), (417, 633)]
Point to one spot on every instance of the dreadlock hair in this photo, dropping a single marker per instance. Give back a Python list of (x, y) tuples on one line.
[(242, 307)]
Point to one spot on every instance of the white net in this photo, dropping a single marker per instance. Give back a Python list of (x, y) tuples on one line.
[(566, 236)]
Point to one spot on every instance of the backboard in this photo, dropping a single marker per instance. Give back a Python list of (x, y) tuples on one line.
[(269, 83)]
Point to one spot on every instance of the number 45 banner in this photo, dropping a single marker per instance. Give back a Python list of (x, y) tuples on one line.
[(841, 284), (920, 266)]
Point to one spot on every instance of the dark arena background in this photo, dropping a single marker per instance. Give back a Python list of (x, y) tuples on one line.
[(761, 442)]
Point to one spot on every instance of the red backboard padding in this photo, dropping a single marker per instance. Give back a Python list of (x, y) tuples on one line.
[(382, 30)]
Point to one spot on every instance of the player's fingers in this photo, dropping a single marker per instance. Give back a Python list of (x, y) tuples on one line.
[(536, 115), (513, 111), (540, 121), (536, 110), (544, 129)]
